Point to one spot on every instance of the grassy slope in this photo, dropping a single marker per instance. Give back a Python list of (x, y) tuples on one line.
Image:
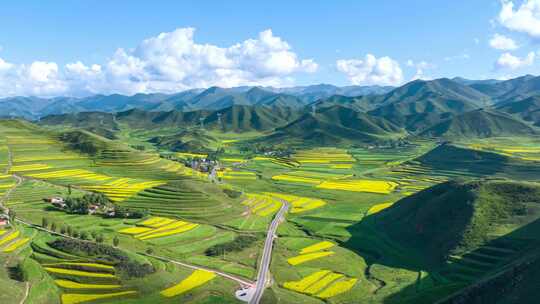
[(457, 217)]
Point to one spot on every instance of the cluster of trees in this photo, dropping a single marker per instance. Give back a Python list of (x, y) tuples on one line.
[(232, 193), (126, 266), (81, 205), (139, 147), (79, 141), (277, 151), (122, 212), (72, 232), (239, 243)]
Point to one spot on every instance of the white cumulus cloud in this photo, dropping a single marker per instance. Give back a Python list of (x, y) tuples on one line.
[(511, 62), (421, 68), (168, 62), (501, 42), (371, 70), (524, 18)]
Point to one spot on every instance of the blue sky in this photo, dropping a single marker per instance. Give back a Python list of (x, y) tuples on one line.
[(420, 39)]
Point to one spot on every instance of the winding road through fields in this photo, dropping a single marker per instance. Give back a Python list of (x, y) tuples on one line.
[(262, 277)]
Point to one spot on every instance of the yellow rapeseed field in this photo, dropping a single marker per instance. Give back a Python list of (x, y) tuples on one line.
[(337, 288), (317, 247), (179, 230), (305, 282), (134, 230), (308, 257), (42, 157), (237, 175), (261, 204), (92, 265), (80, 273), (299, 203), (10, 237), (173, 225), (32, 167), (379, 207), (195, 279), (75, 298), (342, 166), (75, 285), (121, 189), (297, 179), (71, 173), (13, 246), (191, 155), (156, 221), (372, 186), (155, 227), (320, 284)]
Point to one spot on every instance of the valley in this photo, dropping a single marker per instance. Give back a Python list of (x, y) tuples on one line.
[(403, 195)]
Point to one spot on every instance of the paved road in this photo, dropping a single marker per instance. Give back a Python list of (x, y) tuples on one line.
[(262, 277), (242, 281)]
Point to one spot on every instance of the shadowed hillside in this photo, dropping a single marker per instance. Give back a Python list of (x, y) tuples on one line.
[(457, 217)]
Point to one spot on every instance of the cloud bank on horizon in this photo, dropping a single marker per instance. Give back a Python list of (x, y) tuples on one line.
[(169, 62), (175, 61)]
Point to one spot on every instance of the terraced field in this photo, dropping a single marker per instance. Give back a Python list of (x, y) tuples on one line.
[(328, 249)]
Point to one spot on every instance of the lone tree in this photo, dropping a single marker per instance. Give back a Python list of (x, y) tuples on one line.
[(149, 251), (99, 238), (84, 235), (44, 222), (116, 241), (11, 215), (53, 227)]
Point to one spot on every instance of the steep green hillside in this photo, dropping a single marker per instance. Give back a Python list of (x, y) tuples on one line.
[(86, 142), (235, 118), (192, 140), (420, 104), (334, 125), (359, 103), (457, 217), (479, 123), (528, 109), (496, 89)]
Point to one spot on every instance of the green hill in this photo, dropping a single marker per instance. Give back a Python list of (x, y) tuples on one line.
[(458, 217), (236, 118), (193, 140), (528, 109), (335, 125), (86, 142), (479, 124), (359, 103), (496, 89), (420, 104)]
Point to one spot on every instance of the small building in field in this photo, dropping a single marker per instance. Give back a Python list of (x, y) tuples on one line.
[(56, 199), (4, 220), (92, 209)]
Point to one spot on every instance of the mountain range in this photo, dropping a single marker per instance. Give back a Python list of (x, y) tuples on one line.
[(213, 98), (443, 108)]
